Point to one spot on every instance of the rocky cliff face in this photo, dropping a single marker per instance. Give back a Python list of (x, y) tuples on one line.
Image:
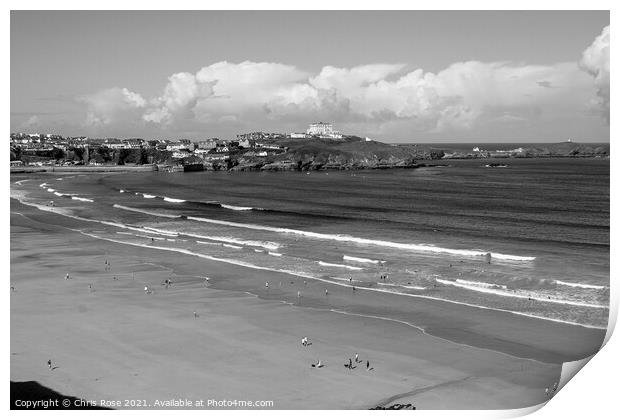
[(317, 154), (355, 153)]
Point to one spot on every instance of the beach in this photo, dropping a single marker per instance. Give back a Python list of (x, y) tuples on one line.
[(115, 342)]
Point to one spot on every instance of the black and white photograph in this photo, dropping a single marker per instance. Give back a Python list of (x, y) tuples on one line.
[(306, 209)]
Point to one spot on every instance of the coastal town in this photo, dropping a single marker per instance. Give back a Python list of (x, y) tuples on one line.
[(38, 150), (320, 147)]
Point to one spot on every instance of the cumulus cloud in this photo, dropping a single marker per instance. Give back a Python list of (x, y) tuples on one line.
[(110, 106), (460, 97), (595, 61)]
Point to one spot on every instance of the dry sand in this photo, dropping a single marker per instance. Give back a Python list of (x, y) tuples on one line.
[(116, 342)]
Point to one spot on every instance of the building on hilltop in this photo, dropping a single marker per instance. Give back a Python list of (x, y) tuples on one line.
[(323, 130)]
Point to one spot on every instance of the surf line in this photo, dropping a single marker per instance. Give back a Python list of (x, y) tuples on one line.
[(308, 276), (365, 241)]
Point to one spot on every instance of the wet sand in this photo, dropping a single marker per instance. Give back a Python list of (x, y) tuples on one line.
[(116, 342)]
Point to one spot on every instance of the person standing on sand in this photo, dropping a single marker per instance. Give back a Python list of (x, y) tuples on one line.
[(298, 294), (49, 364), (267, 284), (195, 314), (367, 364), (357, 358), (67, 276), (326, 292)]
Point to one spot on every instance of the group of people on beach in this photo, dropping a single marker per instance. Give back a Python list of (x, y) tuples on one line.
[(305, 342), (357, 359)]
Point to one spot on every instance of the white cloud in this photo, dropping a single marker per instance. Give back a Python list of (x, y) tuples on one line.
[(112, 106), (464, 96), (595, 60)]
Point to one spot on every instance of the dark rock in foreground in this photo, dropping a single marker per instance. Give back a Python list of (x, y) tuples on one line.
[(395, 407), (32, 395)]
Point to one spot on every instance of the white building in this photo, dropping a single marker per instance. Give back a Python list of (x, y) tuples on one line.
[(323, 129)]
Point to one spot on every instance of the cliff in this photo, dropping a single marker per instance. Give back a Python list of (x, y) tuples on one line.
[(323, 154)]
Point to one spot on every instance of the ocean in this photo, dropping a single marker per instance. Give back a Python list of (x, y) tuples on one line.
[(426, 231)]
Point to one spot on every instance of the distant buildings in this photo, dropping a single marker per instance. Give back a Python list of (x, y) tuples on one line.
[(323, 130)]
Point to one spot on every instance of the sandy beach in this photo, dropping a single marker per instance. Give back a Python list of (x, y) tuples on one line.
[(231, 338)]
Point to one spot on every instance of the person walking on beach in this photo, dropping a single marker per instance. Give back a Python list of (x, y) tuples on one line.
[(195, 314), (67, 276), (357, 358), (367, 364), (267, 284), (49, 364), (350, 364), (90, 287), (326, 292), (298, 294)]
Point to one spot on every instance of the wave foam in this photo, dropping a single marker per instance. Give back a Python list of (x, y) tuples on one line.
[(361, 260), (173, 200), (148, 195), (237, 208), (348, 267), (247, 242), (580, 285), (75, 197), (505, 293), (364, 241), (482, 284), (151, 213)]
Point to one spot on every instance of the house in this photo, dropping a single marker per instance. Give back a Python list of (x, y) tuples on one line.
[(179, 154), (207, 144), (247, 143)]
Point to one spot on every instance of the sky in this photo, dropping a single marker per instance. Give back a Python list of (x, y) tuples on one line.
[(396, 76)]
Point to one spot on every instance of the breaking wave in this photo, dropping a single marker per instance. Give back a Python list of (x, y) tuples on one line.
[(580, 285), (150, 213), (362, 260), (237, 208), (364, 241), (75, 197), (173, 200), (348, 267), (505, 293)]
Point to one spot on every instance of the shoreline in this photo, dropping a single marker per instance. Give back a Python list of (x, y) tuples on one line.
[(571, 342), (117, 340)]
